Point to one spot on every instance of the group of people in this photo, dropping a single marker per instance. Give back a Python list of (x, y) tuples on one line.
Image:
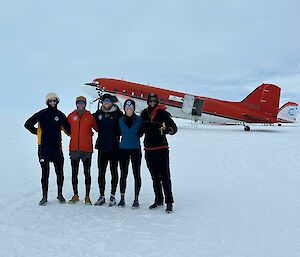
[(118, 142)]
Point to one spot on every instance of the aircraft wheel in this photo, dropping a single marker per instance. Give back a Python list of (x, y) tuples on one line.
[(247, 128)]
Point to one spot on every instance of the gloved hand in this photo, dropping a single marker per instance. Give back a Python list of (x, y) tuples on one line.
[(163, 129), (171, 131)]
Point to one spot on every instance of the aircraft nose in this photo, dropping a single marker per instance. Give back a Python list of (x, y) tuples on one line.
[(94, 83)]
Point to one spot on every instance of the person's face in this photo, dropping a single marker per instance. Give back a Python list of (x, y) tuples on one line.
[(52, 102), (107, 104), (129, 110), (80, 105), (152, 102)]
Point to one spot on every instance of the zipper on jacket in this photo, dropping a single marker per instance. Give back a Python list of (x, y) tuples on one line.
[(79, 132)]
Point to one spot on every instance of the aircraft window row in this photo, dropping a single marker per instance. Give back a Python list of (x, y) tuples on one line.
[(133, 93)]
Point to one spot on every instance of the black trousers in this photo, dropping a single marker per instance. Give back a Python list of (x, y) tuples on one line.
[(135, 155), (87, 173), (158, 163), (55, 155), (103, 159), (58, 166)]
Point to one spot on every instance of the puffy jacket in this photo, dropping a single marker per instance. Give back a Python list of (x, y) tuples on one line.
[(50, 123), (81, 131), (156, 124)]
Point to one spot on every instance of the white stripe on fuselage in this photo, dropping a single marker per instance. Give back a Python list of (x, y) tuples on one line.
[(177, 112)]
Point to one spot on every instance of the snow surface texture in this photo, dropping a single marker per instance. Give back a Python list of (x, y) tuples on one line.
[(236, 194)]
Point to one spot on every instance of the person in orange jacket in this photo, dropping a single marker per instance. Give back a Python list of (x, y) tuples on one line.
[(81, 146)]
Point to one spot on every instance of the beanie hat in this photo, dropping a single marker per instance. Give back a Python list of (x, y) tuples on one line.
[(80, 98), (129, 103), (51, 95), (152, 95), (107, 96)]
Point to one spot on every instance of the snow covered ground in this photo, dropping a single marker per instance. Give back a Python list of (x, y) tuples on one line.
[(237, 194)]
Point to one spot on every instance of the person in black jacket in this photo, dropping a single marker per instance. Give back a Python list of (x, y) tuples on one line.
[(50, 122), (107, 118), (157, 123)]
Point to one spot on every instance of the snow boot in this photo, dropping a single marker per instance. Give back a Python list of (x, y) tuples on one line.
[(74, 199), (135, 204), (87, 200), (100, 201), (43, 201), (61, 199), (121, 203), (169, 208), (155, 205), (112, 201)]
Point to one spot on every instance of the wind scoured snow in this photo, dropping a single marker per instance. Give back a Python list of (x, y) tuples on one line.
[(236, 194)]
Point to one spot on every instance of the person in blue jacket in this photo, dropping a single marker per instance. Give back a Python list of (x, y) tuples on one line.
[(130, 149)]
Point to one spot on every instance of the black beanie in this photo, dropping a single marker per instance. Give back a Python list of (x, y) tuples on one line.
[(129, 102), (152, 95), (107, 96)]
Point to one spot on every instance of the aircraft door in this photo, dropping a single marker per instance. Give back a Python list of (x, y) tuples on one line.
[(188, 104), (198, 107)]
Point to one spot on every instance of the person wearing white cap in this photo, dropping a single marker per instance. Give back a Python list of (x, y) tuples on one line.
[(50, 123)]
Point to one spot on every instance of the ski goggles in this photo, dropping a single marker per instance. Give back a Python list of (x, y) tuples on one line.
[(152, 100), (106, 100)]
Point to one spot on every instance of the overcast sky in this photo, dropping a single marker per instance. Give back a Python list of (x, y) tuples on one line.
[(222, 49)]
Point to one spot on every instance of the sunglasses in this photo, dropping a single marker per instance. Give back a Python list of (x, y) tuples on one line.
[(152, 101), (52, 101), (80, 102), (106, 101)]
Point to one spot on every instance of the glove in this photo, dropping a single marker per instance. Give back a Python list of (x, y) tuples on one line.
[(171, 131)]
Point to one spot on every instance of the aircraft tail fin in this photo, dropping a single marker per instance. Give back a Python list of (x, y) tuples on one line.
[(288, 113), (264, 99)]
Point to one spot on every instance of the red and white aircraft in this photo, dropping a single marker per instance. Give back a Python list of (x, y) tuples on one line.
[(260, 106)]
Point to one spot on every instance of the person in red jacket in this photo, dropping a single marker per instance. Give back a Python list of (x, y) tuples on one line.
[(81, 146)]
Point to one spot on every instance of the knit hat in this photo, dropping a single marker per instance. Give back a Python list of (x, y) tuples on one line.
[(129, 103), (152, 95), (107, 96), (51, 95), (81, 98)]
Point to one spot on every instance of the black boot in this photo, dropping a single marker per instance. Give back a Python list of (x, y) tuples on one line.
[(169, 208), (155, 205), (61, 198), (121, 203), (43, 201), (135, 204)]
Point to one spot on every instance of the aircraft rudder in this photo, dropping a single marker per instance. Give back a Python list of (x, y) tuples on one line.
[(265, 98)]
